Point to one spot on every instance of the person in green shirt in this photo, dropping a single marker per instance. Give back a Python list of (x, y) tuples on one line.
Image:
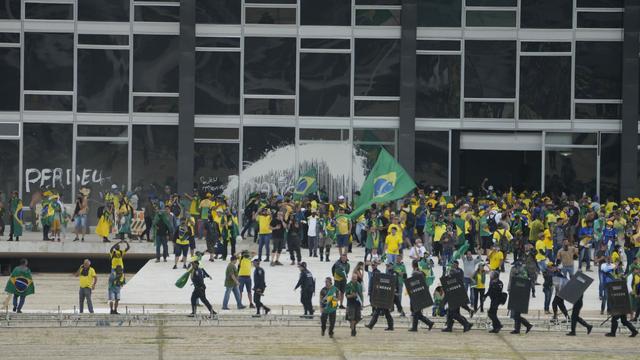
[(429, 232), (231, 283), (328, 305), (485, 235), (353, 293)]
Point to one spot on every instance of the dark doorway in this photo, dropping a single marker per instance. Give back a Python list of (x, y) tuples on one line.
[(520, 169)]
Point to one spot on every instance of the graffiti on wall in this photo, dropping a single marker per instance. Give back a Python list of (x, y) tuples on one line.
[(59, 178)]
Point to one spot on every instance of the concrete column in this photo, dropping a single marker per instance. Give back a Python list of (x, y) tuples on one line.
[(406, 133), (186, 100)]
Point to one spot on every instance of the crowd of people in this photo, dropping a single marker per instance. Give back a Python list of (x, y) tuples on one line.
[(470, 236)]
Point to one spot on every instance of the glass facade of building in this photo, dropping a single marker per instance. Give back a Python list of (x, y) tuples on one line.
[(91, 93)]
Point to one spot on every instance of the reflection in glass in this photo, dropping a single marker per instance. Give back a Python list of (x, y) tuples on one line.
[(444, 45), (48, 61), (374, 135), (154, 156), (545, 87), (324, 84), (155, 63), (48, 102), (217, 133), (489, 110), (225, 42), (609, 165), (269, 65), (10, 9), (432, 159), (95, 39), (572, 171), (599, 111), (491, 18), (9, 169), (490, 69), (48, 11), (377, 67), (156, 104), (546, 14), (377, 17), (218, 12), (492, 2), (605, 20), (47, 159), (98, 166), (217, 83), (10, 75), (598, 70), (269, 15), (314, 12), (215, 165), (600, 3), (439, 13), (268, 162), (323, 134), (438, 86), (269, 106), (368, 153), (103, 10), (103, 80), (523, 171), (102, 130), (157, 13), (376, 108), (545, 46)]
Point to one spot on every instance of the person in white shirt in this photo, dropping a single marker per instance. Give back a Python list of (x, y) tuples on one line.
[(312, 233), (417, 250)]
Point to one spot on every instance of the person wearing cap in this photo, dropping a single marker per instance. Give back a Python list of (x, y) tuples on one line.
[(497, 298), (198, 275), (231, 284), (307, 285), (259, 286), (328, 305), (244, 276), (340, 271)]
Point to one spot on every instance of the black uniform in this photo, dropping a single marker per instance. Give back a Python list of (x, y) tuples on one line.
[(258, 289), (625, 322), (197, 278), (495, 294), (306, 283), (417, 314), (575, 318)]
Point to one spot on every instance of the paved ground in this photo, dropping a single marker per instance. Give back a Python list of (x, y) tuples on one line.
[(167, 342)]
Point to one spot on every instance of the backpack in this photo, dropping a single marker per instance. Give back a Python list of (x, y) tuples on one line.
[(503, 298), (99, 212), (491, 222)]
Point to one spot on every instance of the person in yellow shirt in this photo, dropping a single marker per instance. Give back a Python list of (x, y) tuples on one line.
[(343, 227), (264, 232), (548, 243), (244, 275), (204, 208), (117, 254), (496, 258), (439, 230), (88, 280), (541, 253), (393, 242), (502, 237)]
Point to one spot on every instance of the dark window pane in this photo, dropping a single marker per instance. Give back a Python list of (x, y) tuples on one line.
[(539, 46), (48, 102), (439, 13), (376, 108), (545, 87), (374, 135), (489, 110), (258, 142), (94, 39), (443, 45), (321, 134), (9, 169), (218, 11), (599, 111), (217, 42), (572, 171), (601, 3), (492, 2), (10, 38), (10, 9), (103, 10), (369, 154), (155, 63), (598, 70), (9, 129), (571, 138), (10, 75), (103, 80), (377, 67), (48, 61), (592, 20), (98, 166), (325, 43), (490, 69), (271, 1), (314, 12), (48, 11), (610, 166), (217, 133), (215, 165), (491, 18), (432, 159), (155, 104), (103, 130), (269, 106), (47, 159), (154, 157), (157, 13), (438, 86), (546, 14), (269, 15), (375, 17), (523, 172), (217, 83), (324, 84), (378, 2), (269, 65)]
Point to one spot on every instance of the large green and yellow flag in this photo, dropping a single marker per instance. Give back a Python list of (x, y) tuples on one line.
[(387, 181), (20, 283), (306, 184)]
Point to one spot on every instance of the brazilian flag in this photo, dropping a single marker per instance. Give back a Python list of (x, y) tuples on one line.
[(306, 184), (20, 283), (387, 181)]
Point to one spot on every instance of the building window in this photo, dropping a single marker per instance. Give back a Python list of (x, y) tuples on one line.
[(215, 165), (103, 10), (218, 12), (545, 87), (269, 65), (103, 80), (48, 61), (546, 14), (154, 157), (314, 12), (9, 169), (432, 159), (324, 84), (10, 75), (490, 69), (217, 83), (377, 67), (439, 13), (438, 86), (598, 70), (155, 63)]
